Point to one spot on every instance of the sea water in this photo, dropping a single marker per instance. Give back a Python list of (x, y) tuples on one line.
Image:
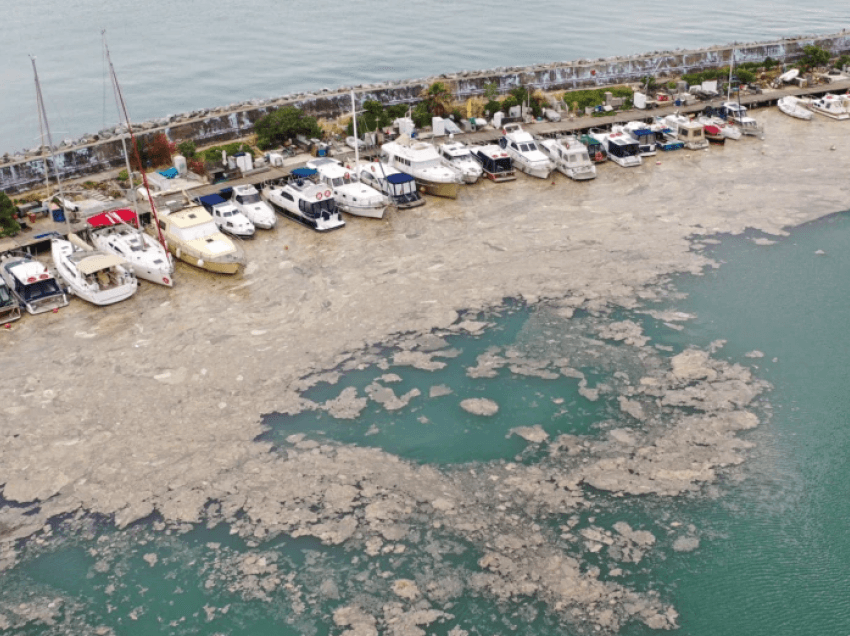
[(774, 550), (176, 57)]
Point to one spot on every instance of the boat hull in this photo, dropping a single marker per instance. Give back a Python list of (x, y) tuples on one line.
[(306, 222), (499, 177), (108, 297), (216, 268), (447, 190), (9, 314), (365, 212)]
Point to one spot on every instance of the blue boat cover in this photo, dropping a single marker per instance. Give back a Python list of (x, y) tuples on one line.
[(304, 172), (226, 192), (171, 173), (210, 199), (642, 132), (399, 178)]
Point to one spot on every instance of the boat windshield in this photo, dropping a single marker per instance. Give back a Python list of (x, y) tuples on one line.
[(228, 213), (528, 147), (39, 290), (5, 297), (316, 209), (254, 197)]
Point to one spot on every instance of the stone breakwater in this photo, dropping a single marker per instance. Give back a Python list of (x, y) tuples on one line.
[(97, 153)]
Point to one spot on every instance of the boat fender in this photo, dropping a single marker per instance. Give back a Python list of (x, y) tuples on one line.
[(328, 193), (319, 196), (347, 175), (165, 280), (200, 262), (179, 252)]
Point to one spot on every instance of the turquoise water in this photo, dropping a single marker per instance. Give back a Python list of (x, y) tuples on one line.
[(176, 57), (774, 552)]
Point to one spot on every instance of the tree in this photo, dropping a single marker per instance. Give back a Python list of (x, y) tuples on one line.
[(438, 99), (814, 56), (284, 124), (491, 91), (9, 225), (160, 151), (187, 148), (745, 76)]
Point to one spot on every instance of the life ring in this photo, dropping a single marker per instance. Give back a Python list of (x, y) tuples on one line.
[(328, 193), (598, 157), (347, 175), (319, 196), (165, 280)]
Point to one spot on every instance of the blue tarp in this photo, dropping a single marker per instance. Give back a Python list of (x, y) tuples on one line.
[(398, 178), (171, 173), (304, 172), (210, 200)]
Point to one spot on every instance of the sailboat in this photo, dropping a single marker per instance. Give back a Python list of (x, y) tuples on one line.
[(92, 275)]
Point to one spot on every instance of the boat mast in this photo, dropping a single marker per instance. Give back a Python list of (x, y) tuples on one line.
[(356, 139), (123, 142), (42, 114), (123, 108)]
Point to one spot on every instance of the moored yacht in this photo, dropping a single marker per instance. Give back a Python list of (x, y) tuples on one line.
[(794, 107), (570, 157), (246, 199), (457, 155), (421, 161), (737, 114), (727, 129), (303, 200), (691, 133), (522, 148), (496, 164), (31, 283), (349, 193), (226, 216), (117, 232), (621, 149), (398, 187), (193, 237), (642, 134), (829, 105), (98, 277)]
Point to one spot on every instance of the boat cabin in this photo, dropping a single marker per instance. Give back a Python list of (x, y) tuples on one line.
[(622, 149), (398, 186), (495, 162), (594, 148), (33, 285), (226, 215)]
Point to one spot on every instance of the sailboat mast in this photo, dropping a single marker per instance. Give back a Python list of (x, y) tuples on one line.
[(123, 108), (42, 114), (356, 139)]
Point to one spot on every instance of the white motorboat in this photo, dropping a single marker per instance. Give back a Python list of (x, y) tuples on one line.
[(193, 237), (526, 156), (690, 132), (829, 105), (10, 307), (495, 162), (621, 148), (727, 129), (303, 200), (642, 134), (349, 193), (247, 200), (226, 216), (398, 187), (794, 107), (457, 155), (98, 277), (737, 114), (570, 157), (421, 161), (31, 283), (117, 232)]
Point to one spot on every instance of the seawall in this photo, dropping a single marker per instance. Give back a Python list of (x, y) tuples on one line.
[(97, 153)]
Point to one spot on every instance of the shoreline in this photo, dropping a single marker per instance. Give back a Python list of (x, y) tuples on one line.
[(156, 404)]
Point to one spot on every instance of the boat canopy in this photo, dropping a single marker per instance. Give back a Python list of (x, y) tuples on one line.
[(399, 177), (712, 130), (97, 262), (642, 132), (304, 173), (211, 200), (113, 217)]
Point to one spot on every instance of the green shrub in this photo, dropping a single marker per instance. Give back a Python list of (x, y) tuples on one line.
[(213, 155), (187, 148), (9, 225), (283, 125)]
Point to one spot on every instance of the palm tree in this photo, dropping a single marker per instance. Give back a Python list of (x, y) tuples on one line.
[(438, 98)]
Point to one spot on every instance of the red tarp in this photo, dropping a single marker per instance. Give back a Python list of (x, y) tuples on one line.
[(113, 217), (712, 130)]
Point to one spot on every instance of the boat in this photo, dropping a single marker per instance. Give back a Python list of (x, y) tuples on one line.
[(690, 132), (620, 148), (303, 200), (642, 134), (117, 232), (794, 107), (496, 164), (727, 129), (349, 193), (421, 161), (194, 238), (10, 307), (570, 157), (99, 277), (31, 283), (225, 215), (595, 149), (522, 148), (829, 105), (714, 135), (399, 188), (737, 114), (457, 155), (246, 199)]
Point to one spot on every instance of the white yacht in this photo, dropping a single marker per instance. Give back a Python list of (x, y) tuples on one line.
[(349, 193), (421, 161), (246, 199), (526, 156), (621, 149), (737, 114), (117, 232), (31, 283), (98, 277), (193, 237), (303, 200), (794, 107), (398, 187), (457, 155), (727, 129), (688, 131), (495, 162), (570, 157), (830, 105), (226, 216), (642, 134)]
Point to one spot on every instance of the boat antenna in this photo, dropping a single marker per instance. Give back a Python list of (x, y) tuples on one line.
[(123, 110), (42, 114)]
